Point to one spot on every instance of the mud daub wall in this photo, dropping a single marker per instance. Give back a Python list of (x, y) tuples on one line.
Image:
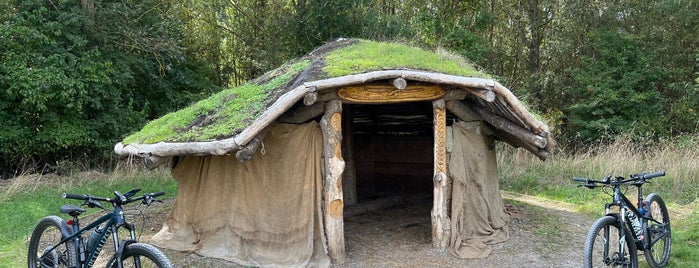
[(391, 164)]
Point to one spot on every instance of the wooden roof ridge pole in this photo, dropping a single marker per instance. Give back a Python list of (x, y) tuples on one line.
[(480, 87), (512, 128), (441, 224), (246, 153), (334, 165)]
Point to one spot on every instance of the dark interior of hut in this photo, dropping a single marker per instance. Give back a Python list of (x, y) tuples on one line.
[(392, 145)]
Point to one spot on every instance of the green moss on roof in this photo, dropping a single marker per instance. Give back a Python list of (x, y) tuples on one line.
[(219, 116), (228, 112), (367, 56)]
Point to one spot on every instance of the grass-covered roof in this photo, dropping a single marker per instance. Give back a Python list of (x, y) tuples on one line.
[(227, 113)]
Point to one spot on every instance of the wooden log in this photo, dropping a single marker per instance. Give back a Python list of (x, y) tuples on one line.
[(441, 225), (333, 206), (537, 126), (310, 98), (516, 142), (466, 114), (399, 83), (455, 93), (220, 147), (302, 114), (272, 113), (502, 124), (327, 95), (462, 111), (246, 153)]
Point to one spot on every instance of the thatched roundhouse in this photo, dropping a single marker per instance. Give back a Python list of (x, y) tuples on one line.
[(265, 170)]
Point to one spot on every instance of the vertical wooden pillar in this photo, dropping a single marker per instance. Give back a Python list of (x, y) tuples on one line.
[(349, 176), (441, 228), (333, 206)]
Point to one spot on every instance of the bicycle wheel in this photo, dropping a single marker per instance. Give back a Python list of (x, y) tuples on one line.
[(658, 251), (47, 234), (142, 256), (606, 246)]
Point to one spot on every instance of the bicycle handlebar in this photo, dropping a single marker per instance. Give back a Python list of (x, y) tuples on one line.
[(648, 176), (115, 201), (585, 180), (637, 179)]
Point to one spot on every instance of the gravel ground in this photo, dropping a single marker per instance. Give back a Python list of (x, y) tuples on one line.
[(543, 233)]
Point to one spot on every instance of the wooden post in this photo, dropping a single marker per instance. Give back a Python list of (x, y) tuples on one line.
[(441, 227), (333, 205), (349, 177)]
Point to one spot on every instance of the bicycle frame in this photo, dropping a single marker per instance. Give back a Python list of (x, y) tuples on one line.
[(115, 220), (626, 206)]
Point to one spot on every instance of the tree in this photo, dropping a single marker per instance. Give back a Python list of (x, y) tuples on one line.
[(615, 90), (75, 80)]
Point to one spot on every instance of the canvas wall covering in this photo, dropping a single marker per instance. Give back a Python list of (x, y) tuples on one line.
[(265, 212), (478, 217)]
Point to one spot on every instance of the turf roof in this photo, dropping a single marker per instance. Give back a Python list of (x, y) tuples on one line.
[(227, 113)]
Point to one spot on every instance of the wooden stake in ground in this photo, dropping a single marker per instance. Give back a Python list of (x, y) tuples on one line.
[(441, 228), (331, 125)]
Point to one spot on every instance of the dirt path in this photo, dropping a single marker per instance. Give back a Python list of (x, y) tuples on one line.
[(543, 233)]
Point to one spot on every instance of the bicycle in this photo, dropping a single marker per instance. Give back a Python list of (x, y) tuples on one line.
[(60, 243), (614, 239)]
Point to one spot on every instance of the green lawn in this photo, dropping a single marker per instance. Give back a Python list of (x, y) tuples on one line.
[(29, 198)]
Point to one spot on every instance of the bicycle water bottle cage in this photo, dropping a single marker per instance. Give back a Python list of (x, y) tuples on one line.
[(72, 210)]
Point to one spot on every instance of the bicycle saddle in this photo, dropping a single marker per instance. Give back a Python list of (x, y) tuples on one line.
[(72, 210)]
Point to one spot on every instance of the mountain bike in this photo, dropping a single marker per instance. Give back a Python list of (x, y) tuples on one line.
[(61, 243), (614, 239)]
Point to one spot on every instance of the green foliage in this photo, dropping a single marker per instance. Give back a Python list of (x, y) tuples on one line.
[(75, 79), (615, 90)]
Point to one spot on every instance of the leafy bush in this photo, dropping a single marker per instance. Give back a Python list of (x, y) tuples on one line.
[(75, 80)]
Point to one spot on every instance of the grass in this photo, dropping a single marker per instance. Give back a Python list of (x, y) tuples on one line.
[(552, 179), (367, 56), (29, 198), (222, 115)]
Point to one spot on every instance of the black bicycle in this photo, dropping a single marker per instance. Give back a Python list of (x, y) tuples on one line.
[(61, 243), (614, 239)]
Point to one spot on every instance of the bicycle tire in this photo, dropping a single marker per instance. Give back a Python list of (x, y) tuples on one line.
[(657, 254), (595, 248), (148, 255), (46, 234)]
